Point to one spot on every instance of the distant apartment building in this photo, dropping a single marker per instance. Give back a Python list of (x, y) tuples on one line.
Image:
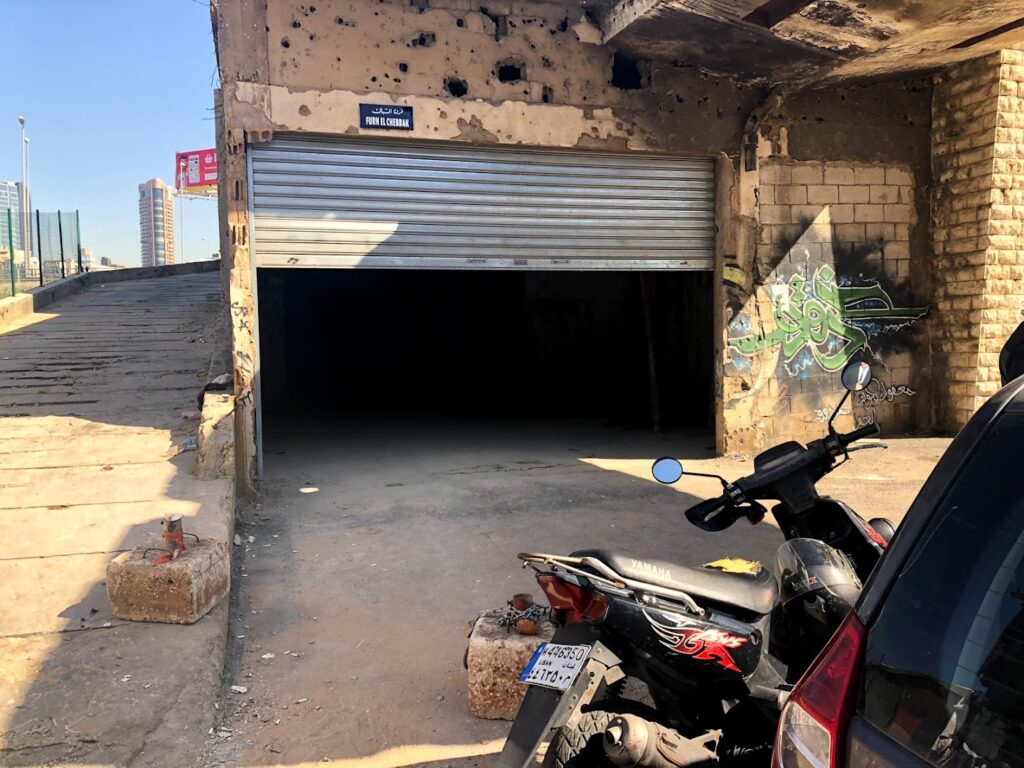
[(156, 223), (10, 197)]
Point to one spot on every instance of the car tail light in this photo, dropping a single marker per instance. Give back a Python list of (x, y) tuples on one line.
[(812, 729), (573, 602)]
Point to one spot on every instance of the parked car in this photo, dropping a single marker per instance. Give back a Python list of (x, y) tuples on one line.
[(929, 667)]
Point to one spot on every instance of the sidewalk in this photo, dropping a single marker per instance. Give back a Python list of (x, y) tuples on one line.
[(91, 399)]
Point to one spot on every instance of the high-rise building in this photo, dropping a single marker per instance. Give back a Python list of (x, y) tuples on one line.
[(10, 197), (156, 223)]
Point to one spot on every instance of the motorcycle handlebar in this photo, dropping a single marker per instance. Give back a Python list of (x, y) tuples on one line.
[(703, 514), (709, 515), (857, 434)]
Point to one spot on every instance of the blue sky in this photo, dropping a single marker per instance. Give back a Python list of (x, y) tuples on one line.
[(110, 90)]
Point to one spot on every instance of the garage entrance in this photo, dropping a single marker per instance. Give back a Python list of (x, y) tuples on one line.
[(523, 282), (544, 344)]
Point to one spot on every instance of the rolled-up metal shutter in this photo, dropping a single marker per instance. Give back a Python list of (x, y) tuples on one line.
[(339, 202)]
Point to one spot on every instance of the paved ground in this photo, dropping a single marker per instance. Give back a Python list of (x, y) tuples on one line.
[(377, 540), (91, 397)]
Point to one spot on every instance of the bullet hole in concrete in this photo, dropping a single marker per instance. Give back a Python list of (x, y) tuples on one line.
[(500, 23), (312, 9), (337, 58), (563, 25), (443, 115), (460, 22), (546, 62), (403, 67), (547, 94), (285, 43), (630, 74), (422, 5), (296, 24), (304, 111), (680, 99), (456, 87), (312, 36), (423, 40), (373, 79), (510, 71), (398, 79)]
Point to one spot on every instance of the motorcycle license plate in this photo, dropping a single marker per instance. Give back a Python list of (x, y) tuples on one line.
[(555, 666)]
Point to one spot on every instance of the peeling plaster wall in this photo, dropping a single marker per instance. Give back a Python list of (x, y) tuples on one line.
[(834, 267), (325, 58)]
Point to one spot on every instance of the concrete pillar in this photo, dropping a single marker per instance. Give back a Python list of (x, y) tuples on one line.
[(978, 172), (239, 277)]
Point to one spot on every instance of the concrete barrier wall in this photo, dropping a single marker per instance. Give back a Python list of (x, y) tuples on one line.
[(17, 307)]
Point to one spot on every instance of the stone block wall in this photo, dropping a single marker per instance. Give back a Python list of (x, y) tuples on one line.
[(977, 227), (831, 285)]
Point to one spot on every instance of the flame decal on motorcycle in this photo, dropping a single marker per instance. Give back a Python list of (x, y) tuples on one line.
[(701, 644)]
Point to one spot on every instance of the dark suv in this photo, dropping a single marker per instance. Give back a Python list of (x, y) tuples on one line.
[(929, 668)]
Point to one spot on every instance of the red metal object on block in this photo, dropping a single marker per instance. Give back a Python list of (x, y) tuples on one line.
[(174, 539)]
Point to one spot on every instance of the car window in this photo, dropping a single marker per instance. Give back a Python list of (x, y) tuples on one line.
[(944, 661)]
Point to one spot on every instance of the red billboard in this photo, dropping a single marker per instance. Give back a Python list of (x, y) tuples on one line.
[(196, 170)]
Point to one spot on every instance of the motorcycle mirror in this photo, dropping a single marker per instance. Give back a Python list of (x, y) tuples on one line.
[(667, 470), (856, 376)]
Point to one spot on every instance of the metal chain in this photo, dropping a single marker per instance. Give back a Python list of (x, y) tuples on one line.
[(511, 616)]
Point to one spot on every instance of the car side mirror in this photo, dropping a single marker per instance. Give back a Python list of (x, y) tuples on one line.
[(667, 470)]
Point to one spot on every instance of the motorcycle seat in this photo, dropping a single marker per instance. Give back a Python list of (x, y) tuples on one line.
[(755, 593)]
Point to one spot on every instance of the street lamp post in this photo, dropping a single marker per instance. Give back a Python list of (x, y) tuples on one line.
[(26, 215)]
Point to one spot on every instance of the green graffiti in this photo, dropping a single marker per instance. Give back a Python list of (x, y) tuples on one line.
[(830, 321)]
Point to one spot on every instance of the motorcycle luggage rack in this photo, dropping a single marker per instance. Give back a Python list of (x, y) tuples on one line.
[(608, 576)]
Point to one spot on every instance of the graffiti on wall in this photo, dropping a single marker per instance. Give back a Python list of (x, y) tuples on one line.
[(823, 322), (876, 393)]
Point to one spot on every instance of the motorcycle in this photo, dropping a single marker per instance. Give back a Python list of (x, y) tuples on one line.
[(719, 646)]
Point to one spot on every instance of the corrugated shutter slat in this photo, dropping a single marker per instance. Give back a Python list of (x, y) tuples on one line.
[(339, 202)]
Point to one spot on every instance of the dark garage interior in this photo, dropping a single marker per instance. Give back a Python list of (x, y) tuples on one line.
[(498, 343)]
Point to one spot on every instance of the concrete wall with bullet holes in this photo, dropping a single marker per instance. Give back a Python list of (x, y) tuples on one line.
[(824, 197)]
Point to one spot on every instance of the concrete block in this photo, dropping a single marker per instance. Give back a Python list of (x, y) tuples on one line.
[(776, 174), (869, 175), (899, 177), (775, 214), (883, 193), (842, 214), (495, 659), (791, 195), (898, 213), (854, 194), (869, 213), (838, 175), (822, 194), (808, 174), (181, 591)]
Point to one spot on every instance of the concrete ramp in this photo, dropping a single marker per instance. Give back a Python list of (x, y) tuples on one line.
[(92, 394)]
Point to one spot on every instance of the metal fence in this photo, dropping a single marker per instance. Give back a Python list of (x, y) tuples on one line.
[(50, 250)]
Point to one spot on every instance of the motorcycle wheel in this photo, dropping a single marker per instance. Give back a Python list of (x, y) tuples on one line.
[(581, 746)]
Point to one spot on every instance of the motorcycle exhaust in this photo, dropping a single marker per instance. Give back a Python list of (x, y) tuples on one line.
[(632, 742)]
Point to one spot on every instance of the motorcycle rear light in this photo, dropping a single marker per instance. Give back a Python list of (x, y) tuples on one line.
[(575, 603), (812, 729)]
